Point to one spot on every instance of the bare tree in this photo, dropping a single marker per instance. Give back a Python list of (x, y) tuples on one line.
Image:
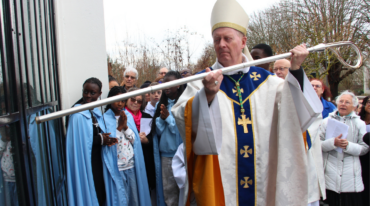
[(207, 58), (149, 56), (290, 23)]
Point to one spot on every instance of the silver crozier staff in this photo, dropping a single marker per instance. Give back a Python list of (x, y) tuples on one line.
[(320, 47)]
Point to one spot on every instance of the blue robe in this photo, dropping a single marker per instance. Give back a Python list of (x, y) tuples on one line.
[(328, 108), (2, 191), (34, 133), (80, 182), (140, 171), (158, 171)]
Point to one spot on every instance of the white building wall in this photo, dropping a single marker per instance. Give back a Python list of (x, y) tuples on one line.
[(80, 35)]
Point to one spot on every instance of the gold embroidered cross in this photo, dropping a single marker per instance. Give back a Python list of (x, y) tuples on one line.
[(245, 182), (245, 151), (255, 76), (244, 122), (236, 91)]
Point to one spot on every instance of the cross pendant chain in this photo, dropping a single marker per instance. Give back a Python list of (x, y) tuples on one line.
[(243, 121), (239, 93)]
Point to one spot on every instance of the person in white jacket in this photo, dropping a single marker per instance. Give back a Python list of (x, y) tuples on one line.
[(343, 178)]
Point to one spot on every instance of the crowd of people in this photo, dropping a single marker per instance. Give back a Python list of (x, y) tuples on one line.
[(261, 135), (142, 139), (132, 148)]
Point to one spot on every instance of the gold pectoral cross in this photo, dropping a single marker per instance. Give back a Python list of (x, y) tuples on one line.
[(244, 122), (235, 90)]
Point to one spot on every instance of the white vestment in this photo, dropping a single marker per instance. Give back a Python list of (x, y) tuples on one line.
[(179, 171), (280, 112), (316, 177)]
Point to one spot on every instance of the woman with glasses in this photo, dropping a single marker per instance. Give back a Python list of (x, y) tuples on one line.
[(130, 77), (136, 106), (324, 94), (343, 176)]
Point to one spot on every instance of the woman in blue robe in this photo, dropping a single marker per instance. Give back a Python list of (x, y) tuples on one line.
[(92, 172), (141, 194)]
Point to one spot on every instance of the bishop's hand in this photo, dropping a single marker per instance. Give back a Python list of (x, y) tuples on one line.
[(299, 54), (212, 83)]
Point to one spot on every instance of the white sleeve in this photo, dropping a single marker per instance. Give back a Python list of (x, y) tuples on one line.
[(178, 166), (129, 134), (206, 122), (307, 103)]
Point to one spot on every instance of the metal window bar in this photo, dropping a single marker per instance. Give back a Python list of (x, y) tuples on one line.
[(47, 43), (5, 19), (42, 50), (24, 179), (34, 10), (33, 47)]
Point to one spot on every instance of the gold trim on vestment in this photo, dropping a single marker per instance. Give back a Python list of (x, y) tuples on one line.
[(232, 100), (236, 157), (255, 155), (230, 25), (256, 89)]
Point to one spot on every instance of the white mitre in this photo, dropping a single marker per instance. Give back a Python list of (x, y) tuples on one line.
[(229, 13)]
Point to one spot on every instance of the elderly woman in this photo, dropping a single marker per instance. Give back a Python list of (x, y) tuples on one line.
[(130, 77), (343, 169)]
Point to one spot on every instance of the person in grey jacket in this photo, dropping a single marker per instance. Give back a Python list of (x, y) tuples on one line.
[(343, 170)]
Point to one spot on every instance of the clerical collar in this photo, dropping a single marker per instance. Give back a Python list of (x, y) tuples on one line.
[(217, 65)]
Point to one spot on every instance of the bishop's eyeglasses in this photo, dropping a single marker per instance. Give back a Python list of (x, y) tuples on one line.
[(279, 69)]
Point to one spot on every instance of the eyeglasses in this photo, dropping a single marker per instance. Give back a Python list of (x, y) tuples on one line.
[(368, 103), (316, 85), (131, 77), (347, 103), (162, 73), (136, 100), (279, 68)]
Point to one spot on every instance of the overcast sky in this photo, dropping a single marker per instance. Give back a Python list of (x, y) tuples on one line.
[(140, 20)]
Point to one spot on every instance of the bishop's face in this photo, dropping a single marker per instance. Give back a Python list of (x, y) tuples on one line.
[(228, 44)]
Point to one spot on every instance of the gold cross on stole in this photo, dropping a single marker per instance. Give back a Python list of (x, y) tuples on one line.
[(255, 76), (244, 122), (245, 151), (246, 182), (236, 91)]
